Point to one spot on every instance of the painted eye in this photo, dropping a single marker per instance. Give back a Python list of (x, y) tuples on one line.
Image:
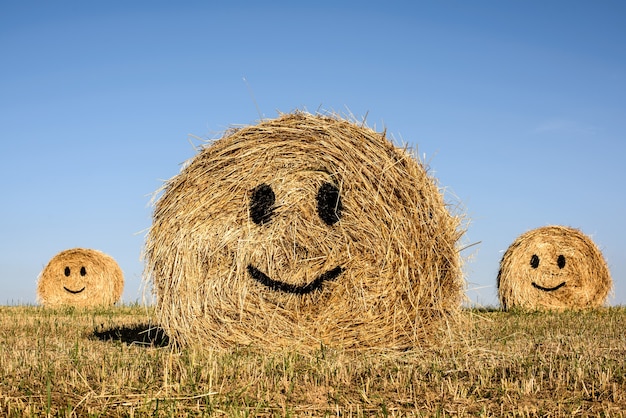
[(329, 205), (560, 261), (67, 272), (262, 204), (83, 271), (534, 261)]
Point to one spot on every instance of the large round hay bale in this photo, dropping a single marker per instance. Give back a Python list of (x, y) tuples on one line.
[(80, 277), (553, 267), (300, 231)]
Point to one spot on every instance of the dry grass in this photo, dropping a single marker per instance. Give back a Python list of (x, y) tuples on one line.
[(80, 277), (553, 267), (304, 230), (76, 362)]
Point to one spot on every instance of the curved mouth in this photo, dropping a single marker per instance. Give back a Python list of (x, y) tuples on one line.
[(277, 285), (548, 289), (74, 291)]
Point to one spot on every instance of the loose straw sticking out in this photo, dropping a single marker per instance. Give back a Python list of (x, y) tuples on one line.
[(80, 277), (303, 230), (553, 267)]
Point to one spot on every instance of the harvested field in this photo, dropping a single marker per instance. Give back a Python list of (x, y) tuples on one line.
[(76, 362)]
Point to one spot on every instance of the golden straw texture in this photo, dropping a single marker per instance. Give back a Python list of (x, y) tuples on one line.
[(80, 277), (300, 231), (553, 267)]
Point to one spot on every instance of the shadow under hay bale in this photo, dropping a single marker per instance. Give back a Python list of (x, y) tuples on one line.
[(147, 335), (300, 231), (553, 267), (80, 277)]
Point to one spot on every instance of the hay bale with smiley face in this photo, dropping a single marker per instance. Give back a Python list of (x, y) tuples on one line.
[(553, 267), (80, 277), (300, 231)]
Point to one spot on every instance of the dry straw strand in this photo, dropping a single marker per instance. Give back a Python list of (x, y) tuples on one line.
[(299, 231), (553, 267), (80, 277)]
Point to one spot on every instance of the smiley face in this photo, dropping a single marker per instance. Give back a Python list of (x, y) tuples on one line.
[(555, 268), (296, 223), (80, 277), (329, 208), (560, 262), (67, 272), (299, 231)]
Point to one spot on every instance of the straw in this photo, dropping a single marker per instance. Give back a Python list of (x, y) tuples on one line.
[(300, 231), (80, 277), (553, 267)]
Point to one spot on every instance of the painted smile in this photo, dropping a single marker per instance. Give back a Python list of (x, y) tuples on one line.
[(277, 285), (74, 291), (548, 289)]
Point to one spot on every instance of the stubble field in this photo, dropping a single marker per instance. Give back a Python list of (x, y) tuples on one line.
[(116, 362)]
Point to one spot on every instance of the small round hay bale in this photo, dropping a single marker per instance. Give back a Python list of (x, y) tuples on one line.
[(553, 267), (80, 277), (300, 231)]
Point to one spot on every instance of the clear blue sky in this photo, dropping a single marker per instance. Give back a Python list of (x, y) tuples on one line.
[(519, 107)]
